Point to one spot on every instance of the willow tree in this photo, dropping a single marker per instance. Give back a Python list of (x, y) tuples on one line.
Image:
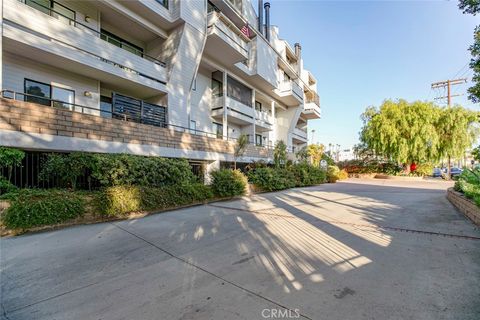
[(457, 129), (402, 131)]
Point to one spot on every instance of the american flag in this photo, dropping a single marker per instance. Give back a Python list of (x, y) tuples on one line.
[(246, 30)]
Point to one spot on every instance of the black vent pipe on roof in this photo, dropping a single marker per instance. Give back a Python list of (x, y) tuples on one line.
[(260, 16), (267, 20)]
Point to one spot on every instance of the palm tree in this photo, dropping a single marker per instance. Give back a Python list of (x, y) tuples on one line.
[(239, 148)]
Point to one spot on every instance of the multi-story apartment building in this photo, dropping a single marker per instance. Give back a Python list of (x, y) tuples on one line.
[(172, 78)]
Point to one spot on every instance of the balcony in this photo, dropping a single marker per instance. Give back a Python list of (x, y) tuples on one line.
[(311, 108), (55, 39), (263, 121), (225, 41), (290, 93), (237, 112), (299, 136)]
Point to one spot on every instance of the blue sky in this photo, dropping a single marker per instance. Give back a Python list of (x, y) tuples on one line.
[(363, 52)]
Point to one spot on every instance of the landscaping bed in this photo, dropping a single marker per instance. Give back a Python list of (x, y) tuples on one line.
[(128, 186), (466, 206)]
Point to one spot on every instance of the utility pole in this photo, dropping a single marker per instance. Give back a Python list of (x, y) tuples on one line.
[(448, 84)]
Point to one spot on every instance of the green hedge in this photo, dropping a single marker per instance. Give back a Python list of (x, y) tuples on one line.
[(298, 175), (120, 200), (31, 208), (117, 169), (228, 183)]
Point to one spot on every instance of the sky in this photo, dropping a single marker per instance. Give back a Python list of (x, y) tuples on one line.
[(363, 52)]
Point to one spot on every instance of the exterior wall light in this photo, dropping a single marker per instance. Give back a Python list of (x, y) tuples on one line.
[(87, 94), (87, 18)]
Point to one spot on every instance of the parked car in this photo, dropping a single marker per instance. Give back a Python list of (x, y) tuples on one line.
[(454, 172), (437, 172)]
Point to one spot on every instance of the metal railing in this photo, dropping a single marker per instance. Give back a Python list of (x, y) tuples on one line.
[(53, 13), (312, 97), (10, 94)]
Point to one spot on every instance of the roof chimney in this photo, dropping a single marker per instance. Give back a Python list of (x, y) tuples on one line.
[(267, 20), (298, 50), (260, 16)]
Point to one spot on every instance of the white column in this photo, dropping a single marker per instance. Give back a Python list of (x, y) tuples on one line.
[(225, 118), (274, 131), (254, 116)]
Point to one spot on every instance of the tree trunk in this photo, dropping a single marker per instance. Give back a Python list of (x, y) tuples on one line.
[(449, 167), (235, 164)]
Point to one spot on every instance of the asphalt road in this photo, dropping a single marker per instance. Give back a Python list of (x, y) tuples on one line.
[(336, 251)]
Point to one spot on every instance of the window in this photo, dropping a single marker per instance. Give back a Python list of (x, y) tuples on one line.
[(43, 93), (193, 126), (217, 88), (65, 97), (35, 90), (258, 106), (218, 129), (163, 3), (106, 107), (121, 43), (258, 139), (239, 92), (53, 9)]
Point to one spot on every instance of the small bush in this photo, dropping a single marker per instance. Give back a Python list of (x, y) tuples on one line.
[(31, 208), (272, 179), (6, 186), (333, 173), (117, 201), (342, 174), (423, 169), (228, 183), (308, 175)]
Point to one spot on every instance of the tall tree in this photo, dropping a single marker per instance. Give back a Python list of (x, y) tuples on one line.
[(280, 154), (315, 152), (473, 7), (457, 132), (401, 131), (239, 148)]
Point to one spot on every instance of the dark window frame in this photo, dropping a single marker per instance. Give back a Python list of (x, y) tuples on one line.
[(121, 40), (51, 100)]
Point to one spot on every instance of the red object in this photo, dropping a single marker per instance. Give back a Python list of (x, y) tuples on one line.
[(413, 167), (246, 30)]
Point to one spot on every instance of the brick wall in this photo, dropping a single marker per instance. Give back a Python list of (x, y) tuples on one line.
[(33, 118), (464, 205)]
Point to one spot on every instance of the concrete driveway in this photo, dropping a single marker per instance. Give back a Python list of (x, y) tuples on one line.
[(336, 251)]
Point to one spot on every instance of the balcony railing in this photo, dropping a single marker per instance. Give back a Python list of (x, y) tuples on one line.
[(312, 97), (121, 116), (58, 15)]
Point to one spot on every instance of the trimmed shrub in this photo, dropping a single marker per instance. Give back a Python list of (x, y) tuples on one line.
[(10, 158), (342, 175), (117, 201), (6, 186), (67, 168), (124, 169), (271, 179), (333, 173), (31, 208), (307, 175), (228, 183), (469, 184)]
